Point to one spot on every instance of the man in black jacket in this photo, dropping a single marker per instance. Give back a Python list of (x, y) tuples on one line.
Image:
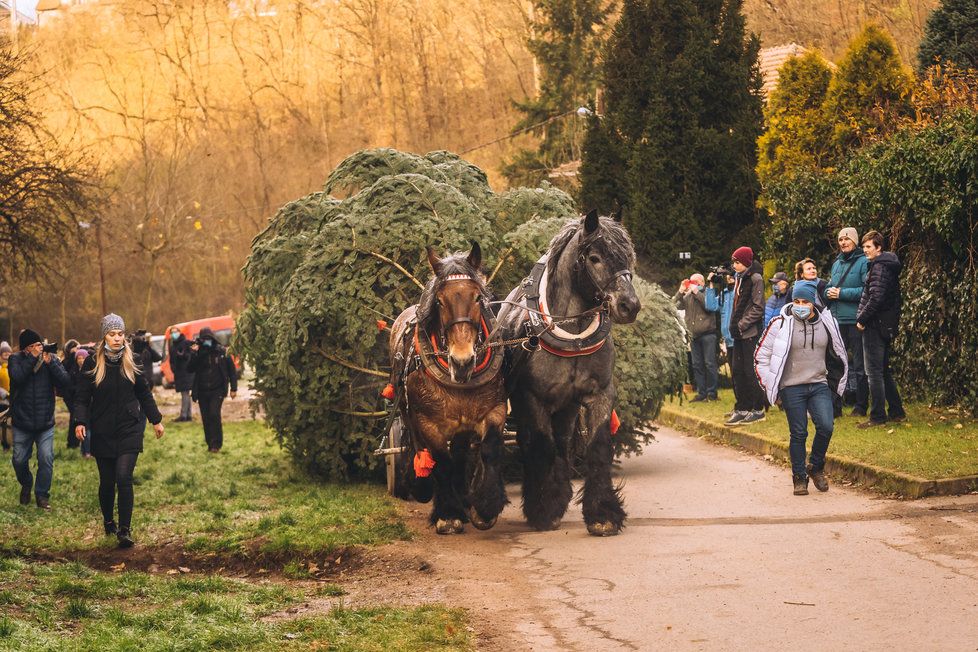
[(34, 375), (878, 318), (746, 324), (183, 380), (214, 373), (145, 354)]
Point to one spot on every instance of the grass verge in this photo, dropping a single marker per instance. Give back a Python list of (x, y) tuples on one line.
[(247, 499), (932, 443), (70, 607)]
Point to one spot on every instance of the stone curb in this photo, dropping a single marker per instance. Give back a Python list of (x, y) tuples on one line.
[(880, 479)]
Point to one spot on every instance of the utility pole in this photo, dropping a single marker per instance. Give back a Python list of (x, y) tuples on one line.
[(101, 266)]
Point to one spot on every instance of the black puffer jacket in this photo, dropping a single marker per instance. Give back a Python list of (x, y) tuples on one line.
[(113, 410), (879, 306), (213, 368), (747, 318), (32, 391), (180, 354)]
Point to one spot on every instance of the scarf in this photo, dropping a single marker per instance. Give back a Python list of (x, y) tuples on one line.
[(114, 356)]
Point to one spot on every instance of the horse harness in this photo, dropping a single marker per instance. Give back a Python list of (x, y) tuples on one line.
[(541, 324)]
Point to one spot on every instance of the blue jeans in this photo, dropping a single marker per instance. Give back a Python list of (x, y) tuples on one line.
[(24, 441), (882, 388), (705, 376), (798, 402)]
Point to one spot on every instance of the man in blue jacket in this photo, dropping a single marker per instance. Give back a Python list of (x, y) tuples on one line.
[(843, 295), (779, 297), (33, 377)]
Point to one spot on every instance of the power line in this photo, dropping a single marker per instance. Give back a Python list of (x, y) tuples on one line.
[(518, 132)]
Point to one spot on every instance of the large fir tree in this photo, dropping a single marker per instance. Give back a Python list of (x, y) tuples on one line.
[(683, 113), (566, 41), (951, 35), (796, 134), (869, 92)]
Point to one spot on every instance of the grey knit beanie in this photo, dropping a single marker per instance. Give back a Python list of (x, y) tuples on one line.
[(112, 322)]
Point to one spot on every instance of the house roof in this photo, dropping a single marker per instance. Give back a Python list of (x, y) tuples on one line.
[(770, 61)]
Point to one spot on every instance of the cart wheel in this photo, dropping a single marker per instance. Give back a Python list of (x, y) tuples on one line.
[(396, 481)]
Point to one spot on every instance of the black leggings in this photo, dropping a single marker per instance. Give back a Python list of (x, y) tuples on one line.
[(116, 472)]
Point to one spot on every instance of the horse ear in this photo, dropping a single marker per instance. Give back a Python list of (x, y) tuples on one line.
[(591, 221), (475, 256), (433, 259)]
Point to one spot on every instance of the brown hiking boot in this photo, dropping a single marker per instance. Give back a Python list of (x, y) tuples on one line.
[(818, 479), (801, 485), (25, 495), (43, 503)]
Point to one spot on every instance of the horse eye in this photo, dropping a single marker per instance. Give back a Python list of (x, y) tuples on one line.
[(594, 260)]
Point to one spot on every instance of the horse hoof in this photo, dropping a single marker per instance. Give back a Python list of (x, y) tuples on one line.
[(546, 527), (478, 522), (453, 526), (606, 529)]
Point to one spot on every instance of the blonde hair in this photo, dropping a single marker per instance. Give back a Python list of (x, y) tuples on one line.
[(129, 367)]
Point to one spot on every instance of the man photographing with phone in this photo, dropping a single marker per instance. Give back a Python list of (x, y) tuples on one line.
[(34, 373)]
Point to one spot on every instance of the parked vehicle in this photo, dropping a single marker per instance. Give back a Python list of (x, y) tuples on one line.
[(157, 342), (223, 328)]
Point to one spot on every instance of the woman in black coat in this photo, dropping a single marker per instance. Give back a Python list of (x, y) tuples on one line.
[(112, 399)]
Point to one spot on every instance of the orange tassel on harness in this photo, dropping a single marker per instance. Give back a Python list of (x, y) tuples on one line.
[(424, 463), (615, 422), (381, 325), (388, 392)]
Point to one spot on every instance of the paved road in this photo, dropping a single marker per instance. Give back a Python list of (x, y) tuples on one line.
[(719, 555)]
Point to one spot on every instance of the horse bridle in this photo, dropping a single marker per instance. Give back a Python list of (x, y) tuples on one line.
[(462, 320), (601, 292)]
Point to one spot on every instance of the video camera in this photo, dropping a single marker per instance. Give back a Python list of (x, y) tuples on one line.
[(718, 274), (50, 348), (720, 270)]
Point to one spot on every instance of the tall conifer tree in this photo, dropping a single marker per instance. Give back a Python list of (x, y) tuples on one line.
[(566, 41), (683, 113), (951, 35)]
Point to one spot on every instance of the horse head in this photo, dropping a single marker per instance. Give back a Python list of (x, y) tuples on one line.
[(605, 258), (458, 291)]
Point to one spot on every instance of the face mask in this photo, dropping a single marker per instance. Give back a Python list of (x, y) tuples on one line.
[(174, 336), (801, 312), (207, 344), (777, 290)]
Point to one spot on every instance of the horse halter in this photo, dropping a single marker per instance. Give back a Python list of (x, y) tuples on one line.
[(601, 292)]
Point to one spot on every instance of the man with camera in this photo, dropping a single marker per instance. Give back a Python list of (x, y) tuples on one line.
[(35, 371), (701, 323)]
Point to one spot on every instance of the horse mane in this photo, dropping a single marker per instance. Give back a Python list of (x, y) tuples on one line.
[(456, 263), (618, 245)]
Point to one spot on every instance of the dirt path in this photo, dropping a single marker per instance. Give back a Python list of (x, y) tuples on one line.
[(717, 555)]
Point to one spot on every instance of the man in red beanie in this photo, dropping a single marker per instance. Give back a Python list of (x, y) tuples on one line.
[(746, 324)]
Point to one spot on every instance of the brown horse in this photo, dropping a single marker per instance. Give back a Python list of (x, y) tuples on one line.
[(454, 403)]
